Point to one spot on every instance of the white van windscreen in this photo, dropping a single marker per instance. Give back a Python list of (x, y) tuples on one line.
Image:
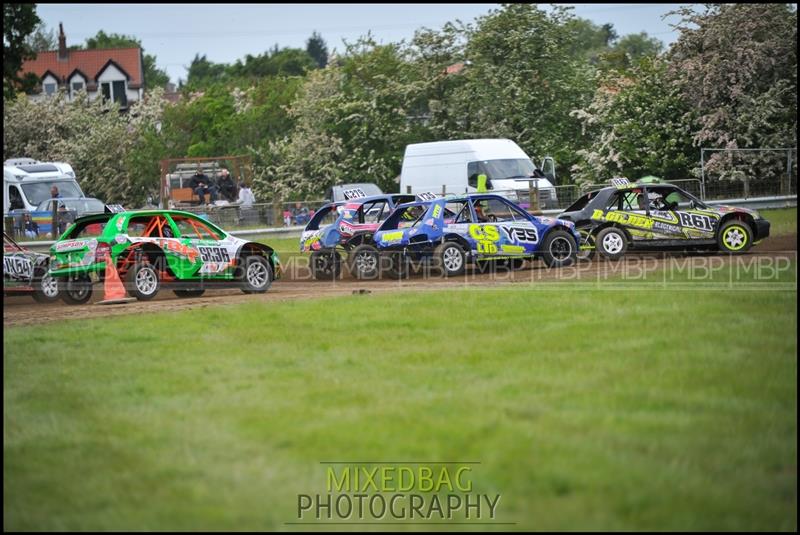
[(500, 169), (40, 191)]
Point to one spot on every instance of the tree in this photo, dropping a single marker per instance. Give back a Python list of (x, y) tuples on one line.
[(153, 76), (736, 64), (629, 50), (42, 39), (638, 125), (203, 72), (317, 49), (19, 21)]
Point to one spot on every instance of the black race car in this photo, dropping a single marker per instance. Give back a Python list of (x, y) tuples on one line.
[(655, 216)]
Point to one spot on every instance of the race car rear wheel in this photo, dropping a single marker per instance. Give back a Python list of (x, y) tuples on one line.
[(326, 265), (735, 237), (45, 287), (75, 289), (559, 249), (450, 259), (257, 274), (189, 292), (396, 265), (142, 281), (364, 262), (612, 243)]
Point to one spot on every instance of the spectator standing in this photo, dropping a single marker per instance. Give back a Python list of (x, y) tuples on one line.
[(246, 197)]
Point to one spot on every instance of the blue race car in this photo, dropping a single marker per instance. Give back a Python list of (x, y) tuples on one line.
[(449, 232)]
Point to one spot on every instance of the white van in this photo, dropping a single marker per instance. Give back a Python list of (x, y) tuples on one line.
[(454, 166), (27, 182)]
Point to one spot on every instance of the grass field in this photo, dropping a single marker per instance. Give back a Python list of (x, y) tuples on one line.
[(587, 408)]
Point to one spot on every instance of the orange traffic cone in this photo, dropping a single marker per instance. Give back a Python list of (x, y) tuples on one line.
[(113, 289)]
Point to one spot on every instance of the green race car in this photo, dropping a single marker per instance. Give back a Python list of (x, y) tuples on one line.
[(158, 247)]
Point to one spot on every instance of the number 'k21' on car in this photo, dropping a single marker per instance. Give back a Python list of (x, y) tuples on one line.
[(154, 247), (346, 228), (449, 232), (25, 272), (660, 216)]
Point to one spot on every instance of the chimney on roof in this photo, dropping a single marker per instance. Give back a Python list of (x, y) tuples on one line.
[(62, 42)]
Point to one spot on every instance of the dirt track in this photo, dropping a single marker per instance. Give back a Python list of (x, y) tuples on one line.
[(297, 284)]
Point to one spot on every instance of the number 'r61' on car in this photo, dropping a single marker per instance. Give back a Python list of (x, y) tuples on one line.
[(158, 247)]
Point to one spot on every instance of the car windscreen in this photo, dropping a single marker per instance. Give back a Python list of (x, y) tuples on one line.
[(505, 168), (88, 228), (38, 191), (581, 203), (405, 216), (326, 215)]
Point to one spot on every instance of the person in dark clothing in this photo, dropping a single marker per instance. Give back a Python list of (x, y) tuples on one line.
[(201, 185), (227, 187)]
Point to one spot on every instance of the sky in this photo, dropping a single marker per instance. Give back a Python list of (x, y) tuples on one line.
[(174, 33)]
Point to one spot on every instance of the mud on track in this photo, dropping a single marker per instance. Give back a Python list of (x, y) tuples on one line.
[(297, 284)]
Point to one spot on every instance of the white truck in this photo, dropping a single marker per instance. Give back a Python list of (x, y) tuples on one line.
[(454, 167), (27, 182)]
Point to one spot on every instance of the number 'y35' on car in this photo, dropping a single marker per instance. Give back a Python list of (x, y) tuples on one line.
[(158, 247)]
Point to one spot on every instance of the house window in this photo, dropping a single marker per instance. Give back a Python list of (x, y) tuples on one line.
[(115, 91), (77, 86), (50, 89)]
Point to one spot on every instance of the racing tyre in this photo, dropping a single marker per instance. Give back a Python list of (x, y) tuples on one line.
[(450, 259), (559, 249), (45, 287), (142, 281), (326, 266), (75, 290), (611, 242), (587, 240), (256, 275), (396, 265), (735, 237), (187, 292), (364, 262)]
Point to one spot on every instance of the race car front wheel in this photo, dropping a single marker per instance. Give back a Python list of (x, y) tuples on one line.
[(45, 287), (326, 265), (364, 262), (256, 275), (612, 243), (450, 259), (559, 249), (142, 281), (735, 237), (75, 289)]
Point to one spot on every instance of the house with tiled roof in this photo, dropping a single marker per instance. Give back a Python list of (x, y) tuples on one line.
[(114, 74)]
